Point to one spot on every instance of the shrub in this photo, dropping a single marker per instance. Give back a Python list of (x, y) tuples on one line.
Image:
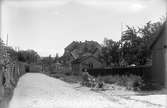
[(151, 86), (131, 82), (68, 73)]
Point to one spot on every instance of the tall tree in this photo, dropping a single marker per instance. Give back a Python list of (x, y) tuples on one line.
[(130, 42), (110, 53), (136, 41)]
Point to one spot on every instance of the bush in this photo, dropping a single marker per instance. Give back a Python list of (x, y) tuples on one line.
[(151, 86), (131, 82), (68, 73)]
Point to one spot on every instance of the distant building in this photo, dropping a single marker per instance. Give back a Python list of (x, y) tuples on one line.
[(77, 49), (159, 57), (71, 46), (87, 62)]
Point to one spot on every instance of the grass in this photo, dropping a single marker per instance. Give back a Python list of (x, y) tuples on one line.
[(67, 77), (131, 82)]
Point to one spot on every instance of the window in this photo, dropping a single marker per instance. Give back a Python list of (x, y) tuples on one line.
[(90, 65)]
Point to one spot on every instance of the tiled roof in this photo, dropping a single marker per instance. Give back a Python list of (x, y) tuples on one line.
[(75, 53), (82, 58)]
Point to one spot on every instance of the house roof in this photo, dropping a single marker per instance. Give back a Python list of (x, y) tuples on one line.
[(158, 35), (75, 53), (82, 58), (72, 45)]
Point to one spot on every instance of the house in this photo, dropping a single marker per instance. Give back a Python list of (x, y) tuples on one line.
[(71, 46), (77, 49), (87, 61), (71, 52), (159, 57)]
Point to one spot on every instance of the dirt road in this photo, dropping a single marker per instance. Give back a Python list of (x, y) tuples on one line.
[(41, 91), (36, 90)]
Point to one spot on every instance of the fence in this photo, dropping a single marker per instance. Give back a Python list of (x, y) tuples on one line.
[(15, 71), (143, 71)]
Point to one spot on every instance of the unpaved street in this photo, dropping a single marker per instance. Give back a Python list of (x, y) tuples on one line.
[(36, 90)]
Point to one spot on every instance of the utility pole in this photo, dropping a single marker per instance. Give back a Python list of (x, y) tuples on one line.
[(7, 40), (121, 28), (121, 53)]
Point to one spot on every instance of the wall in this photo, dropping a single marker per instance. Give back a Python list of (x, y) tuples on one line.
[(158, 58), (77, 68), (165, 55), (35, 68), (143, 71), (0, 17), (11, 75), (95, 62), (90, 60)]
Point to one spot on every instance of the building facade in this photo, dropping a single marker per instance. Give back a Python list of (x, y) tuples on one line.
[(159, 57), (85, 62)]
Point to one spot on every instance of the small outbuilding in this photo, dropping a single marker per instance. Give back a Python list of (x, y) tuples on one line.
[(159, 57), (85, 62)]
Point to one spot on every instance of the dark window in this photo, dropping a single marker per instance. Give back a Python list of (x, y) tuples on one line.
[(90, 65)]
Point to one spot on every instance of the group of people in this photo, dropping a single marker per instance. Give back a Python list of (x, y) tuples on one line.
[(90, 81)]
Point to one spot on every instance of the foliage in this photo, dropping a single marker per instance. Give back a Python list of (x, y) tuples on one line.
[(47, 60), (47, 63), (131, 82), (12, 53), (28, 56), (6, 63), (133, 48), (4, 56), (110, 52), (136, 42)]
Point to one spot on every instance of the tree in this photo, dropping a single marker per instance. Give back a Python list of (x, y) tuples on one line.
[(135, 42), (47, 60), (148, 32), (129, 35), (12, 53), (56, 58), (5, 64), (110, 53), (29, 56), (130, 43)]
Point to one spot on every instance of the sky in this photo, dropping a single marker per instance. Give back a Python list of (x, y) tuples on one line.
[(48, 26)]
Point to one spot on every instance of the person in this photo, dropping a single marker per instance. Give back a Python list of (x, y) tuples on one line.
[(93, 82), (99, 83)]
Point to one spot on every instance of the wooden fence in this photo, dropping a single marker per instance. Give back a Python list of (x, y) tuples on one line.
[(16, 70), (143, 71)]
